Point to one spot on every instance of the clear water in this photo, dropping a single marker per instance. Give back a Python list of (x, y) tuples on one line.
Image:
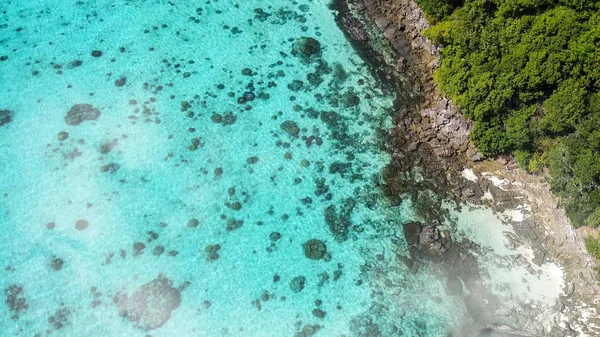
[(154, 184)]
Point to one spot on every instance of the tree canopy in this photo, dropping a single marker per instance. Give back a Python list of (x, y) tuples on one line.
[(527, 72)]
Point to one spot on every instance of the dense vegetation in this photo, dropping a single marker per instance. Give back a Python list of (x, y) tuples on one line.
[(527, 72)]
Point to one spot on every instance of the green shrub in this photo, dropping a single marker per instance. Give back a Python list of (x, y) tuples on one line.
[(593, 246)]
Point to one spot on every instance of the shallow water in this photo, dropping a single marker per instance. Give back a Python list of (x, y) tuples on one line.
[(174, 142)]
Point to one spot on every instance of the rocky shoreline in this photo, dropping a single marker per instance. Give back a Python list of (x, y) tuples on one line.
[(431, 152)]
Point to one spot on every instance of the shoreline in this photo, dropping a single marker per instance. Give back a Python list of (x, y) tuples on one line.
[(431, 135)]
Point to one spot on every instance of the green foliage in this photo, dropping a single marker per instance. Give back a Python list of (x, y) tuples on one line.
[(594, 219), (564, 108), (527, 72), (593, 246), (436, 10)]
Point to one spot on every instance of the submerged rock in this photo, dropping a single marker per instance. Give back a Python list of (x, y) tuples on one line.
[(502, 330), (307, 48), (56, 263), (297, 284), (193, 223), (121, 81), (81, 224), (5, 117), (314, 249), (81, 112), (151, 305), (62, 136), (291, 128)]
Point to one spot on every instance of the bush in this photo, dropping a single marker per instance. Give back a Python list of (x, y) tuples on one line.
[(593, 246)]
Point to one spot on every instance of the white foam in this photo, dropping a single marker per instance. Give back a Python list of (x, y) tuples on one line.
[(469, 175)]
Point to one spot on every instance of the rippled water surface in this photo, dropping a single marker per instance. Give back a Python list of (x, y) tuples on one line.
[(165, 165)]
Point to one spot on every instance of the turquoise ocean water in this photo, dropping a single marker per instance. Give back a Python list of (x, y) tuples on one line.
[(181, 205)]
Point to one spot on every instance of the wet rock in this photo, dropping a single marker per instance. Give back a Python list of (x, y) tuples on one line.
[(212, 251), (56, 263), (429, 235), (158, 250), (307, 48), (193, 223), (96, 53), (151, 305), (275, 236), (296, 85), (297, 284), (314, 249), (110, 168), (247, 72), (5, 117), (309, 330), (318, 313), (138, 249), (184, 106), (121, 81), (291, 128), (62, 136), (81, 224), (15, 300), (81, 112)]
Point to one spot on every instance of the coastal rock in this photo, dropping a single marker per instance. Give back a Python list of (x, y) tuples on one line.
[(151, 305), (81, 112), (429, 235)]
